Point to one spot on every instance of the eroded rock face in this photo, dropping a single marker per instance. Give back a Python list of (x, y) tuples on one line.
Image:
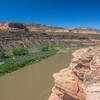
[(81, 80), (32, 27), (30, 35), (13, 26)]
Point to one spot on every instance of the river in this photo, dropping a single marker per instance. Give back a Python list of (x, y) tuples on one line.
[(33, 82)]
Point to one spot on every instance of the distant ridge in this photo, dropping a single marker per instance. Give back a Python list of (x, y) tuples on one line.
[(32, 27)]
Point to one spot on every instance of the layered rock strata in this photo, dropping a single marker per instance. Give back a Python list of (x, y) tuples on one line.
[(13, 27), (32, 27), (81, 80), (30, 35)]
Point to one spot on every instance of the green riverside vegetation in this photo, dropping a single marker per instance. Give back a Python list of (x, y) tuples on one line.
[(21, 57)]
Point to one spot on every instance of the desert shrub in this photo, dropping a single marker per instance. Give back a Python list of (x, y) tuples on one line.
[(87, 77), (81, 45), (2, 53), (43, 48), (20, 51)]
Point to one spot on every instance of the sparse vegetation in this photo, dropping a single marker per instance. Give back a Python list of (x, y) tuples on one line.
[(2, 53), (43, 48), (20, 51), (21, 59), (87, 77), (68, 49)]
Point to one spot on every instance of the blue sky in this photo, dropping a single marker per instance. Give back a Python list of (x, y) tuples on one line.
[(64, 13)]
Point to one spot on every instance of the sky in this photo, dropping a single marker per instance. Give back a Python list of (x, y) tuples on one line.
[(60, 13)]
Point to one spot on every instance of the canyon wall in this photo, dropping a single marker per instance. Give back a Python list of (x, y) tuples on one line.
[(13, 27), (32, 27), (10, 40), (81, 80), (13, 35)]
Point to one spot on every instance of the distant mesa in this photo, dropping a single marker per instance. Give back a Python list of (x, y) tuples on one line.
[(32, 27)]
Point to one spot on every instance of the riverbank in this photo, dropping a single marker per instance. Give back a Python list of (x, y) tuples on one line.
[(68, 49), (13, 63)]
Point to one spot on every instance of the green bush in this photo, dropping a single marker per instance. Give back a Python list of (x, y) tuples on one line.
[(2, 53), (20, 51), (43, 48)]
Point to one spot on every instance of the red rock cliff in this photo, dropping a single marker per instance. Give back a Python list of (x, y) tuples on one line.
[(32, 27), (13, 26), (81, 80)]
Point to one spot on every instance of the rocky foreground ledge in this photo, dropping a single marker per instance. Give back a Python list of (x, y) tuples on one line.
[(81, 80)]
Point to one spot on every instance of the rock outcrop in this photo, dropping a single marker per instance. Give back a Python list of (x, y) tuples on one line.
[(13, 26), (81, 80)]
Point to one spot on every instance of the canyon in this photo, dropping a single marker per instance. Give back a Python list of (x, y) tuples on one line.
[(30, 35), (81, 80)]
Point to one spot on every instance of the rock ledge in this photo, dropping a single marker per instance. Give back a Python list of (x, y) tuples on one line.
[(81, 80)]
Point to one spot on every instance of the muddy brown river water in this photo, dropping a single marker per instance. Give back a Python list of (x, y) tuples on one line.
[(33, 82)]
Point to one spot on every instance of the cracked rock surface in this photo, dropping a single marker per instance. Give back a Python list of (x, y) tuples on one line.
[(81, 80)]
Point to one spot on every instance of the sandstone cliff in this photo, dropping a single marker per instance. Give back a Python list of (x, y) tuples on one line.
[(10, 40), (30, 35), (13, 27), (32, 27), (81, 80)]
